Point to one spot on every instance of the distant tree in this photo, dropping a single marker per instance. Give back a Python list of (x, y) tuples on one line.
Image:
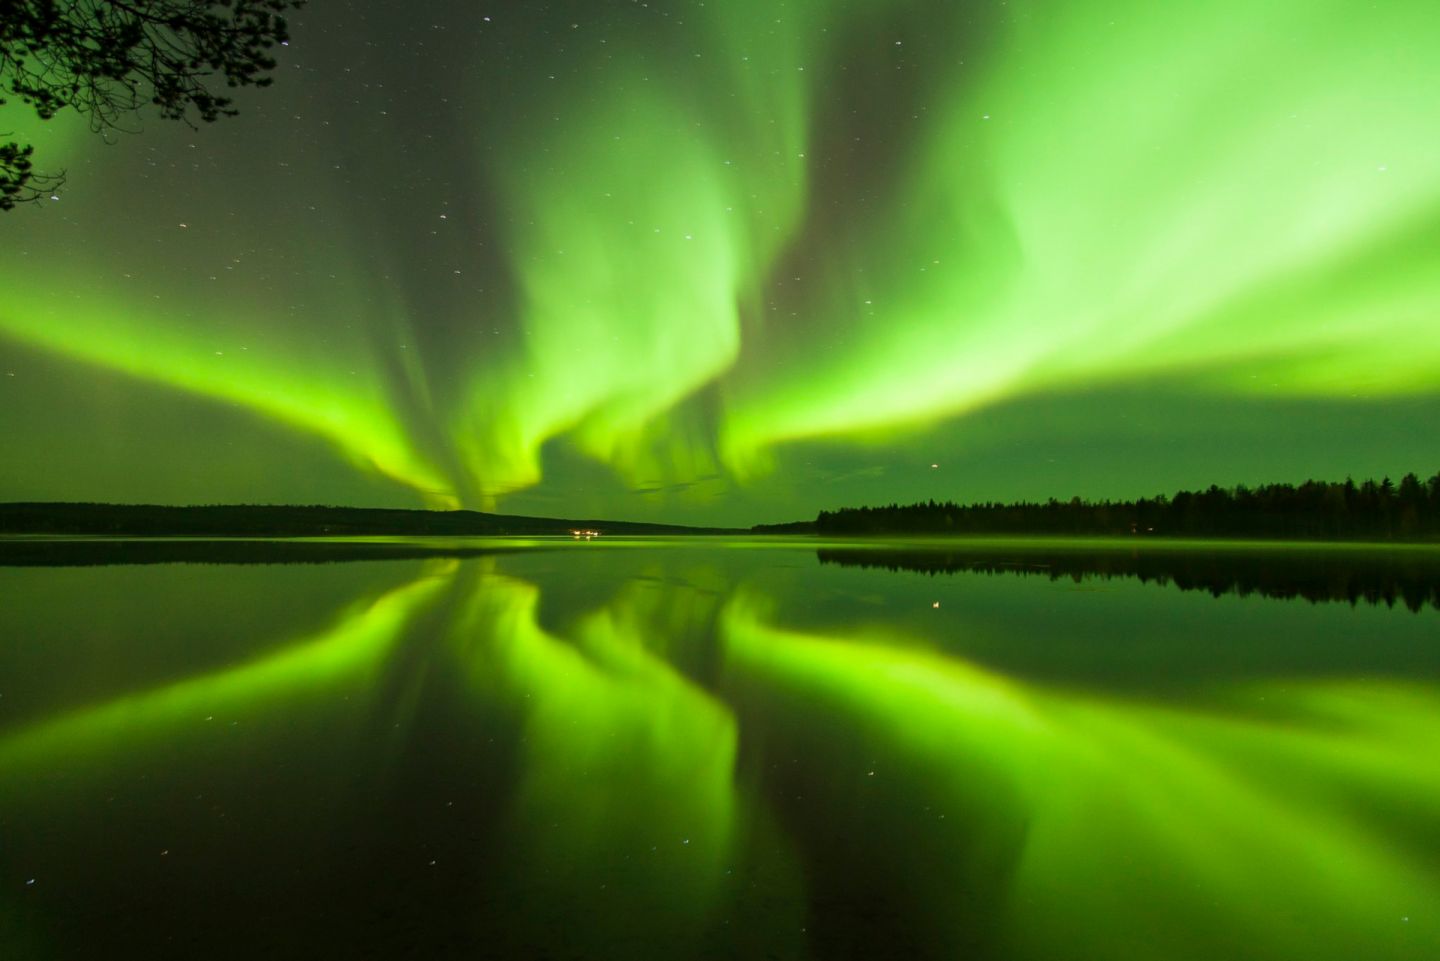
[(1411, 497), (109, 58)]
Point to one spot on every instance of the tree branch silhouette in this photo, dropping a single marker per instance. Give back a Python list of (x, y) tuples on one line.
[(108, 59)]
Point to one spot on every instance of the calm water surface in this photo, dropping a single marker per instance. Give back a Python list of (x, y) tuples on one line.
[(718, 749)]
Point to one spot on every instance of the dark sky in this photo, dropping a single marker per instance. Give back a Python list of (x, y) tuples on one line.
[(738, 261)]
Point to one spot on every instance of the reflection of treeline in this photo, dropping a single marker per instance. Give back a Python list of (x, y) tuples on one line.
[(1406, 576), (82, 552), (1315, 509)]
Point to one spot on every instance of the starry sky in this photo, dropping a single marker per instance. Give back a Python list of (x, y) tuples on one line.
[(737, 261)]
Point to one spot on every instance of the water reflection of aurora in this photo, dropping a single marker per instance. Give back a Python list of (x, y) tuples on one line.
[(674, 762)]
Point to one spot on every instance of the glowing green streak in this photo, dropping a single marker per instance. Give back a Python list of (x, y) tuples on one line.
[(608, 263), (640, 231), (1245, 190), (348, 654), (316, 375), (224, 359), (1131, 810)]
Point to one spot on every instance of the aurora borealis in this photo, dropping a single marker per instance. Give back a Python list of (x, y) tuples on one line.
[(734, 262)]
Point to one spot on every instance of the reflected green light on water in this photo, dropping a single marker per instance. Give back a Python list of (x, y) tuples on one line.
[(1162, 832), (624, 803), (1148, 828), (664, 751), (346, 655)]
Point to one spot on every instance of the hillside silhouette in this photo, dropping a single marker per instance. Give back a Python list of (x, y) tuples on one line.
[(258, 520)]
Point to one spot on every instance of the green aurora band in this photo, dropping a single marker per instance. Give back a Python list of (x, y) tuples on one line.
[(684, 245)]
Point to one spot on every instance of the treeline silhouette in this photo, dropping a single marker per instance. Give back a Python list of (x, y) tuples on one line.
[(1389, 577), (1346, 510)]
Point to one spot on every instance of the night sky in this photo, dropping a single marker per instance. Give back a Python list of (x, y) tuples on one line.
[(738, 261)]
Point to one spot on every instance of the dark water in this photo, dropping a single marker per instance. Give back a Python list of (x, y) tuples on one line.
[(718, 749)]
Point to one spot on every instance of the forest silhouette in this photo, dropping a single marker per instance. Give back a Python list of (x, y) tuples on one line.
[(1369, 510)]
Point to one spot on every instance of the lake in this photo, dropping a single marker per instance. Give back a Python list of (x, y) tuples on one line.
[(711, 748)]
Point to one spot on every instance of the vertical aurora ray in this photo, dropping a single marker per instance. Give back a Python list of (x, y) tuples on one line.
[(639, 228), (608, 259)]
